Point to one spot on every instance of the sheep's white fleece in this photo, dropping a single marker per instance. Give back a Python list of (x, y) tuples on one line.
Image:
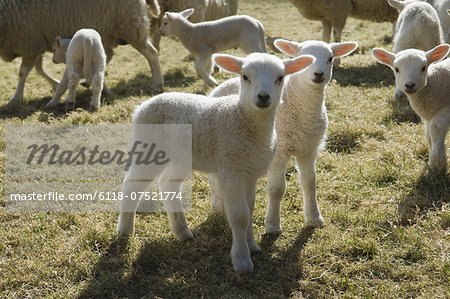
[(29, 27), (333, 13), (443, 9)]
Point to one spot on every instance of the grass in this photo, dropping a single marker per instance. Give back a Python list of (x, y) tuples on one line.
[(387, 217)]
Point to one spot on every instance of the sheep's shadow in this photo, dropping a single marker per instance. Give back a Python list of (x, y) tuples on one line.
[(401, 112), (372, 75), (198, 268), (430, 191)]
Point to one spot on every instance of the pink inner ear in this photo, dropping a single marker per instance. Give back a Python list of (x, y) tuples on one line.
[(343, 49), (382, 56), (297, 65), (285, 47), (438, 53), (228, 64)]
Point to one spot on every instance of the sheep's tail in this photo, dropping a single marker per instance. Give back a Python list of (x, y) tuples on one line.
[(153, 8), (87, 60)]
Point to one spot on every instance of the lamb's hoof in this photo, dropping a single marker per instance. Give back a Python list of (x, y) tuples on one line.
[(158, 87), (51, 105), (14, 102), (244, 265), (272, 229), (70, 105), (315, 221), (184, 235)]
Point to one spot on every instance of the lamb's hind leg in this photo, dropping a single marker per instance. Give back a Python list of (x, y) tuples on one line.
[(24, 70), (41, 71), (306, 165), (97, 86), (74, 78), (438, 128), (276, 187), (170, 183), (204, 69)]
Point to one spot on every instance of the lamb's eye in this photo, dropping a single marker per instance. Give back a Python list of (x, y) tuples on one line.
[(245, 77), (279, 80), (423, 69), (397, 70)]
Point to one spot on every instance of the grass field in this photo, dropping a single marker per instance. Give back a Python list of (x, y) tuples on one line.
[(387, 217)]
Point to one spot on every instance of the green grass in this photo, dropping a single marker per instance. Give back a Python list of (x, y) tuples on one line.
[(387, 217)]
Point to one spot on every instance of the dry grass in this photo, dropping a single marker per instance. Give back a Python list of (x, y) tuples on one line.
[(387, 217)]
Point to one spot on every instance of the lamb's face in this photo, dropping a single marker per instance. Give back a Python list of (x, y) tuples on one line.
[(166, 27), (410, 69), (59, 49), (261, 82), (320, 72)]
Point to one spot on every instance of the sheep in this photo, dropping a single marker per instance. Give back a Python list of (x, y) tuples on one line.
[(205, 38), (334, 13), (232, 137), (28, 29), (441, 7), (301, 124), (205, 10), (426, 82), (85, 58)]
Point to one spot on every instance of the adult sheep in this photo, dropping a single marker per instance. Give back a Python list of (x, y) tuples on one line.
[(29, 27), (204, 10), (334, 13)]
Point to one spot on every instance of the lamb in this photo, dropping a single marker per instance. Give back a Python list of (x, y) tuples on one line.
[(85, 58), (28, 29), (441, 7), (426, 81), (205, 38), (205, 10), (334, 13), (301, 123), (232, 137)]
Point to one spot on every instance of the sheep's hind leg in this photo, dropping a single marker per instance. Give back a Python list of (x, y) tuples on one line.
[(149, 52), (306, 165), (216, 194), (276, 187), (24, 70), (169, 182), (41, 71)]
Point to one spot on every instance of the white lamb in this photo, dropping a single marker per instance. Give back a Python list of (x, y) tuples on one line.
[(442, 6), (333, 13), (85, 58), (205, 38), (205, 10), (428, 88), (232, 137), (417, 27), (301, 123)]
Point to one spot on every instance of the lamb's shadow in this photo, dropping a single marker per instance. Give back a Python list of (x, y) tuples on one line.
[(401, 112), (197, 268), (430, 191), (372, 75)]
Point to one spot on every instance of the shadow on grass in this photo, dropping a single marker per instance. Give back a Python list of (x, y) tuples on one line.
[(401, 112), (431, 190), (372, 75), (198, 268)]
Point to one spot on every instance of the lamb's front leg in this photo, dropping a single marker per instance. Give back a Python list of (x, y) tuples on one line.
[(252, 244), (306, 165), (239, 216), (276, 187), (438, 128)]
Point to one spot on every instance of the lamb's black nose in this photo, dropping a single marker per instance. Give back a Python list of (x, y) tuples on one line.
[(318, 75), (410, 86), (264, 97)]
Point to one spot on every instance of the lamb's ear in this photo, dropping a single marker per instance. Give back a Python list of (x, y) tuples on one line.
[(383, 56), (58, 41), (187, 12), (170, 15), (297, 64), (229, 63), (398, 5), (343, 49), (448, 12), (437, 53), (287, 47)]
